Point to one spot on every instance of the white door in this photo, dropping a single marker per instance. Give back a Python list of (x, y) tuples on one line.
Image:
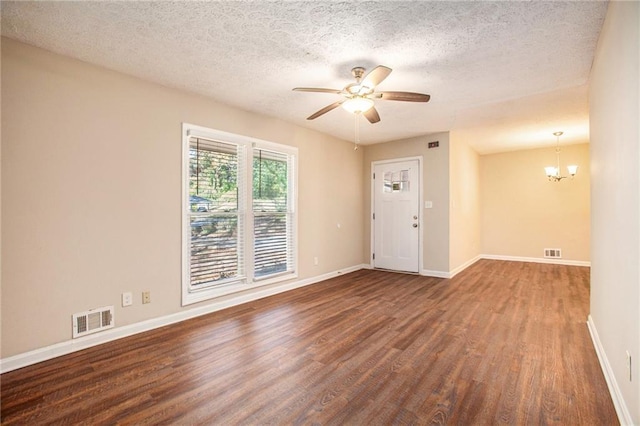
[(396, 189)]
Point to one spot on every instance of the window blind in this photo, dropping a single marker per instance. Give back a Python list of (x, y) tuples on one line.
[(273, 242), (215, 213)]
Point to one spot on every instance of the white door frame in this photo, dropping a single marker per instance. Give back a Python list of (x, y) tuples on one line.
[(420, 208)]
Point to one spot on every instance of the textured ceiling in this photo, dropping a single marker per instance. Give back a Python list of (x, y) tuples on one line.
[(505, 74)]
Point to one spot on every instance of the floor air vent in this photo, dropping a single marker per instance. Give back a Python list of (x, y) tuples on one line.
[(552, 253), (92, 321)]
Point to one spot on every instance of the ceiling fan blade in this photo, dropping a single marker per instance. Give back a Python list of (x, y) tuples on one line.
[(376, 76), (325, 110), (372, 115), (403, 96), (317, 89)]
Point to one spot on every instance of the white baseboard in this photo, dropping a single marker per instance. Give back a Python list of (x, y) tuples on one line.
[(437, 274), (464, 266), (442, 274), (63, 348), (424, 272), (624, 416), (458, 269), (536, 260)]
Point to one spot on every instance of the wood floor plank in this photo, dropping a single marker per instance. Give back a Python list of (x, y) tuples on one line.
[(501, 343)]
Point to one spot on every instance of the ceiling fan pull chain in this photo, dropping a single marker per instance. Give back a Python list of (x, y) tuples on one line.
[(356, 131)]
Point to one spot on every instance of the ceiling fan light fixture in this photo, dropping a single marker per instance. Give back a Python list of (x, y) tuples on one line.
[(367, 85), (357, 104), (353, 89)]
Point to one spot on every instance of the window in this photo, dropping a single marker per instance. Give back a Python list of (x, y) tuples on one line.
[(239, 213), (272, 214), (215, 217)]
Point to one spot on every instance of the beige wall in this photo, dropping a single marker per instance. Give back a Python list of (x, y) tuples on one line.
[(524, 213), (91, 181), (0, 209), (435, 226), (464, 217), (615, 196)]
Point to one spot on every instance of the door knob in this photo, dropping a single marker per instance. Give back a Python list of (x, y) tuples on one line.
[(415, 225), (415, 217)]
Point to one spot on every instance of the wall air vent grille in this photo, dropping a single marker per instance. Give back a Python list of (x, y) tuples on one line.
[(92, 321), (552, 253)]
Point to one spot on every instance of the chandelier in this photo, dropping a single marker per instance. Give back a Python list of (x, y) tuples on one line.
[(553, 173)]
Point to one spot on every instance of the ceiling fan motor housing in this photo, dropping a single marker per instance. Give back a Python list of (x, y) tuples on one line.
[(357, 72)]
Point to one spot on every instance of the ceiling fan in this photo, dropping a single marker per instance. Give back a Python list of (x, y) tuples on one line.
[(359, 96)]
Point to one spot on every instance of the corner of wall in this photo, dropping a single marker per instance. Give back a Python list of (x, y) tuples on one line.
[(464, 213)]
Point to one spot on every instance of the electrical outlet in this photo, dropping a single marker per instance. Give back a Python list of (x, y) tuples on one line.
[(146, 297), (629, 364), (315, 261), (127, 299)]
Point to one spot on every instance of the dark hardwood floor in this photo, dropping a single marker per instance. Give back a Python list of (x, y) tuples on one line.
[(501, 343)]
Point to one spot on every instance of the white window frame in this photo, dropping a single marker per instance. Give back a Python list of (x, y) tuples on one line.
[(190, 296)]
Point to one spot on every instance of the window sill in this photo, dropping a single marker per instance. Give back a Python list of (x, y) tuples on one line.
[(189, 298)]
